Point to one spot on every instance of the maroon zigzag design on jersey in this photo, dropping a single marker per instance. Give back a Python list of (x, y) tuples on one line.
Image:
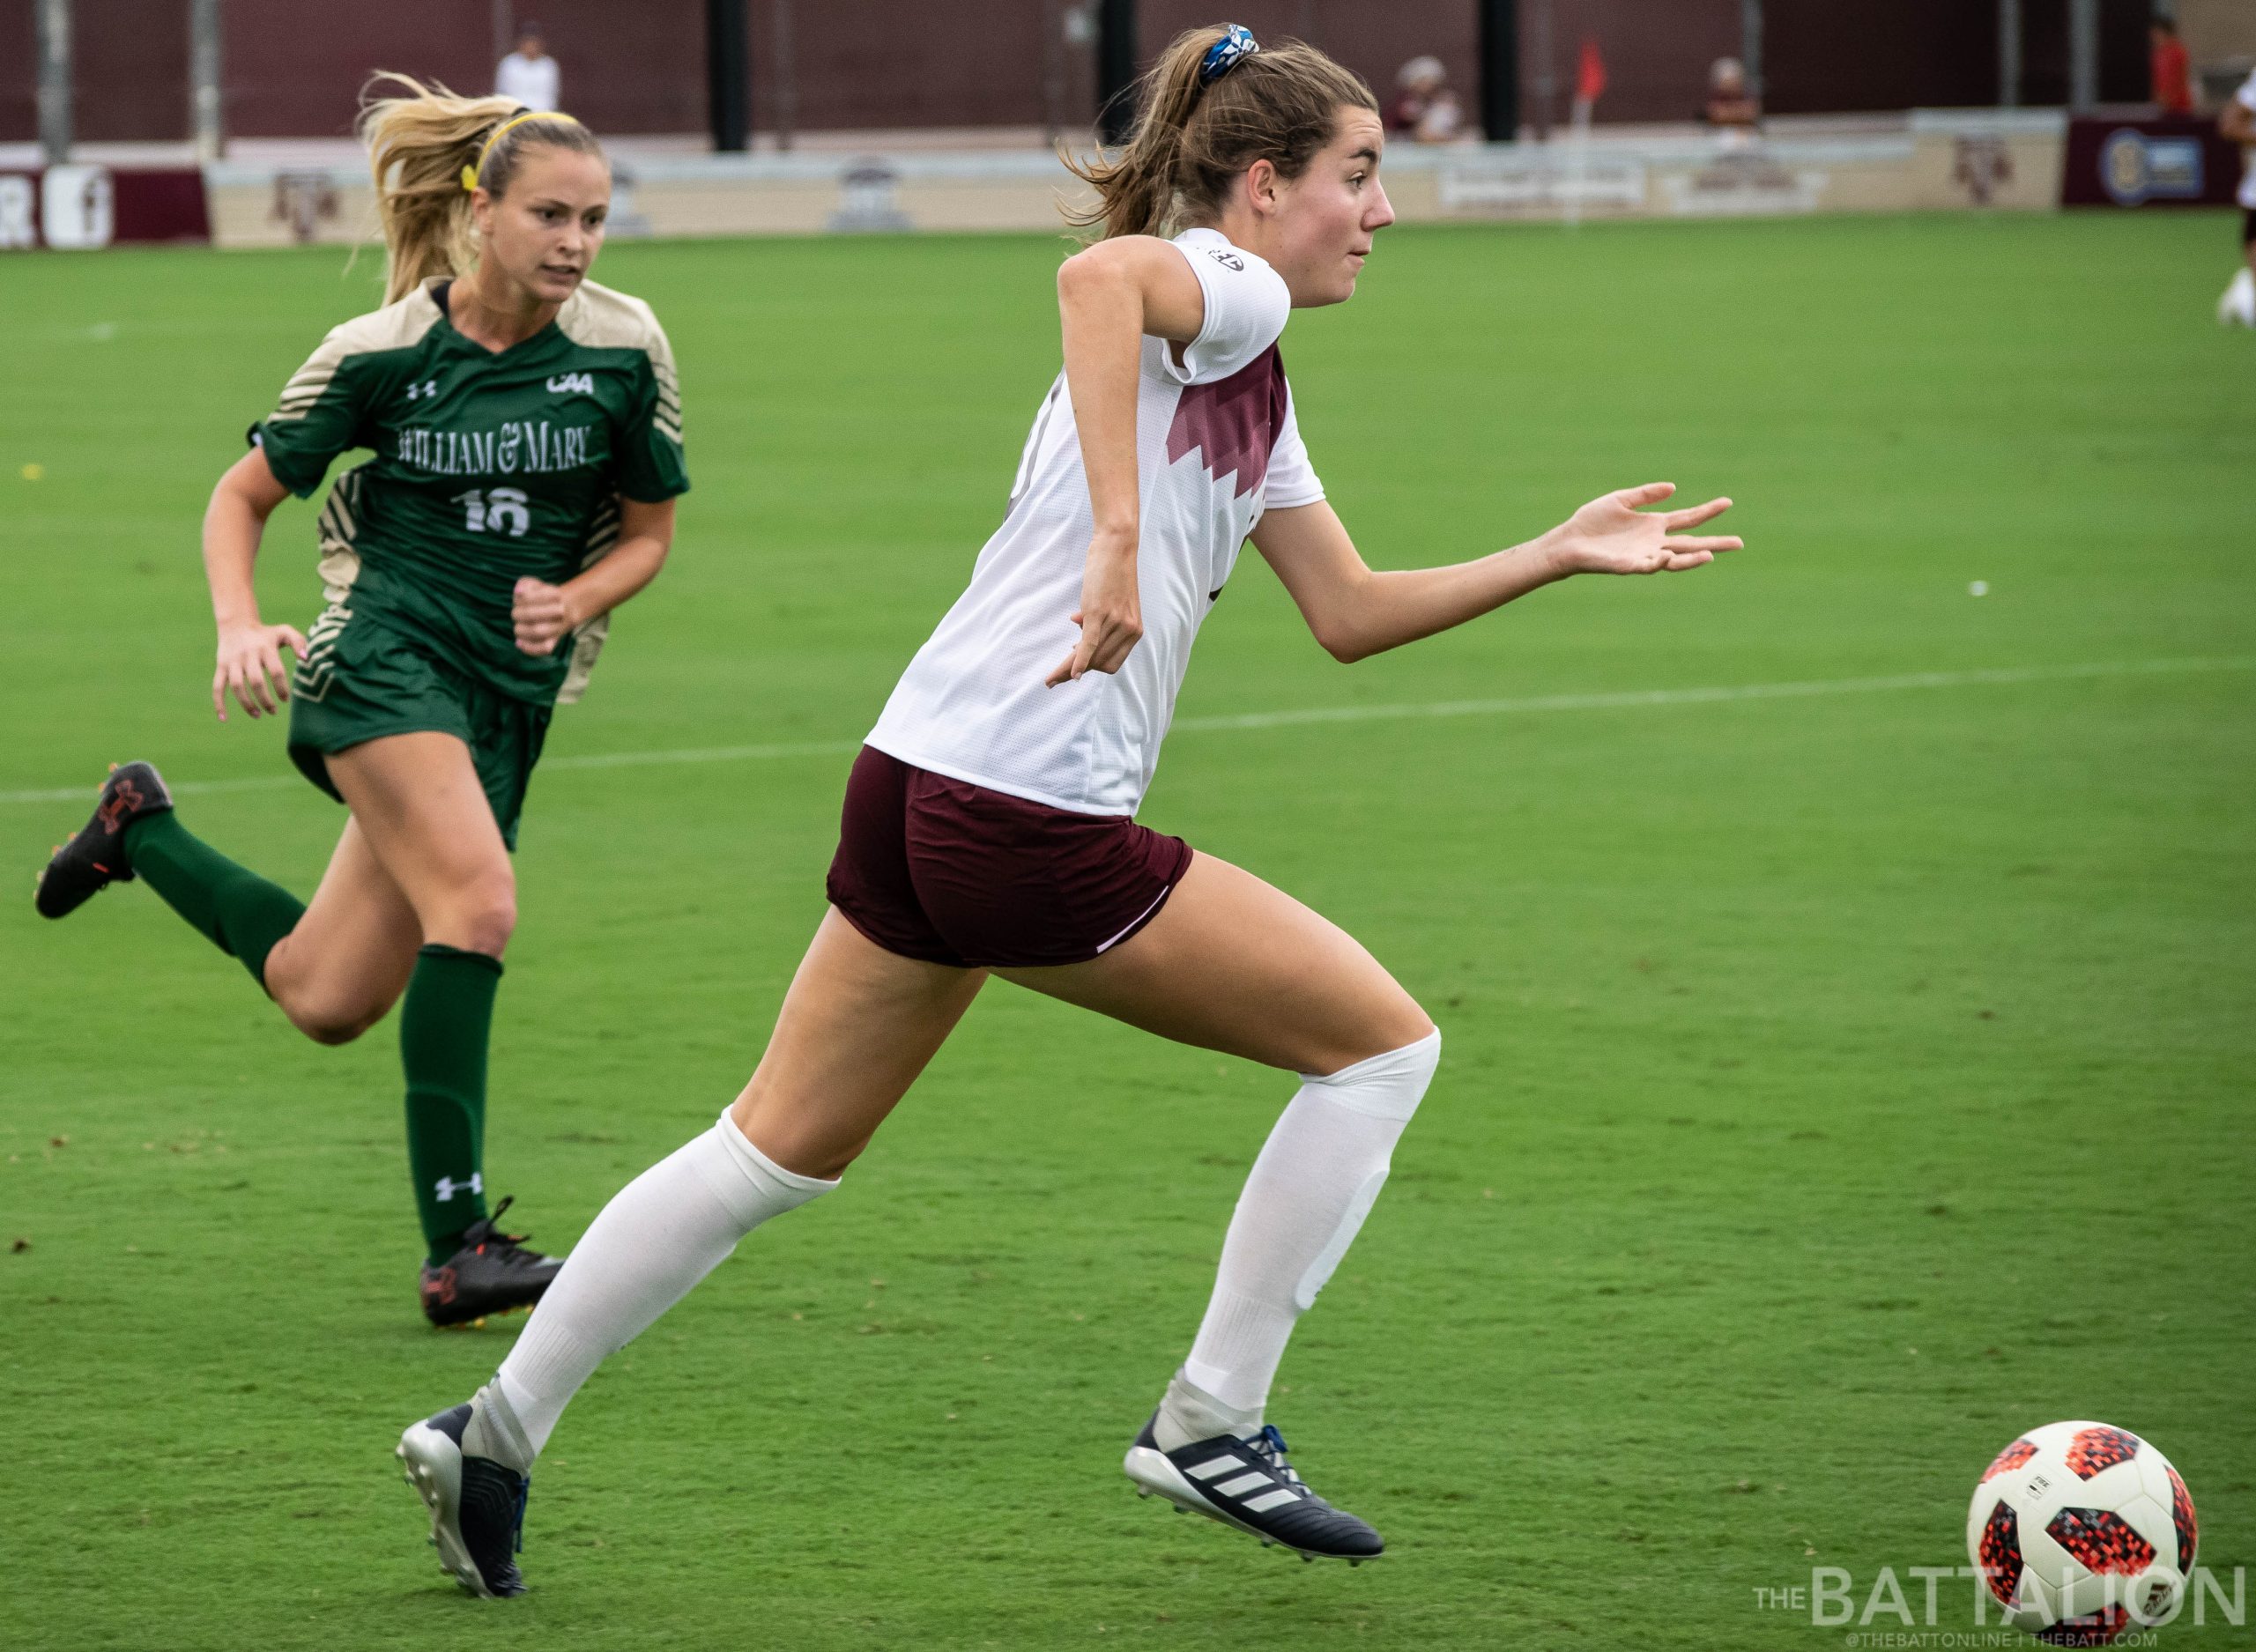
[(1233, 421)]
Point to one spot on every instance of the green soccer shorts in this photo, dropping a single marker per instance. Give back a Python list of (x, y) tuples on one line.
[(364, 681)]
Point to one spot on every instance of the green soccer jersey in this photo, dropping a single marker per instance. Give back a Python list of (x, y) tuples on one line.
[(488, 466)]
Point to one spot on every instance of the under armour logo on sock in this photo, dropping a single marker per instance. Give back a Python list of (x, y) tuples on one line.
[(448, 1187)]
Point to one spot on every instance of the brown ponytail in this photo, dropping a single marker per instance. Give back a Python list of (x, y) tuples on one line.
[(1192, 141), (418, 147)]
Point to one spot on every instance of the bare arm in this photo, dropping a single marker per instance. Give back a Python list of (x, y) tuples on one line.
[(1355, 612), (249, 652), (1109, 297), (2237, 123), (544, 612)]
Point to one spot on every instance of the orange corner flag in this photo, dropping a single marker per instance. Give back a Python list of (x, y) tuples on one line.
[(1590, 73)]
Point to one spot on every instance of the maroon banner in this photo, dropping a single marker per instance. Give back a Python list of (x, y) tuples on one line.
[(2169, 160), (82, 208)]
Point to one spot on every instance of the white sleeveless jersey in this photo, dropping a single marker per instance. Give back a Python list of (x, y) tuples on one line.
[(1216, 444)]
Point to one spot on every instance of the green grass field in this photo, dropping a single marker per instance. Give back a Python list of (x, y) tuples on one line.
[(1838, 1083)]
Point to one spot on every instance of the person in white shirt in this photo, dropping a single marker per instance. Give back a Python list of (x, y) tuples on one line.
[(528, 73), (2237, 123), (989, 826)]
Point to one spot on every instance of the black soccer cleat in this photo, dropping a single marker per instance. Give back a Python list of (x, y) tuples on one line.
[(477, 1506), (95, 855), (1249, 1485), (491, 1273)]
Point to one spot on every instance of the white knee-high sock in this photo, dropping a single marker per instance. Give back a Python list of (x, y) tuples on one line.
[(663, 1232), (1310, 1190), (2238, 303)]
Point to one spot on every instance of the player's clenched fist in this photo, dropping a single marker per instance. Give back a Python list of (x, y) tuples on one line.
[(542, 614), (1110, 615)]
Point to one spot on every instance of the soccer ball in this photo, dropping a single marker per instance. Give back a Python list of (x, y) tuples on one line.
[(2082, 1531)]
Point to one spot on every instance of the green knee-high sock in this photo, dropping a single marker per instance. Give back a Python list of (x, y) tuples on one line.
[(241, 913), (442, 1032)]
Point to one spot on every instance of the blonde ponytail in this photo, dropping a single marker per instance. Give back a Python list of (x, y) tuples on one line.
[(423, 148), (1194, 138)]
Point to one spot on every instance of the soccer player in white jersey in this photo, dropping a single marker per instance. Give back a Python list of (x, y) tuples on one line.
[(988, 825), (2237, 122)]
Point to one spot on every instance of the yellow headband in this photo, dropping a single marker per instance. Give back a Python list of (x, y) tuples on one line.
[(469, 173)]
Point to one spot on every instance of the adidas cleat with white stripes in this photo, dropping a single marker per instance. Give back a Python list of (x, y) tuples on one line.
[(1249, 1485), (477, 1506)]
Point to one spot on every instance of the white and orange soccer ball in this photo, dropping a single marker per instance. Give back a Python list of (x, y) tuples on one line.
[(2082, 1531)]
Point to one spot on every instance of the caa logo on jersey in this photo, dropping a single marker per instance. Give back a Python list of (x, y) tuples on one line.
[(1227, 260), (565, 383)]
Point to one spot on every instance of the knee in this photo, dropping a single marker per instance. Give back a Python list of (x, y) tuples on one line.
[(332, 1024), (1395, 1026), (796, 1139), (481, 917), (1411, 1025), (1390, 1084), (490, 927)]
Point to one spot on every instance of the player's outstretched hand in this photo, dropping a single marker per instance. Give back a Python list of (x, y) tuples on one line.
[(1110, 617), (543, 614), (1613, 534), (248, 657)]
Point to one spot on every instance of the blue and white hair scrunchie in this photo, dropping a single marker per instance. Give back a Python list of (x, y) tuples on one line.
[(1236, 45)]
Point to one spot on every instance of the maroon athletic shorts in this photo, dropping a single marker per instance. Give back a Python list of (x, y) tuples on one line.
[(941, 869)]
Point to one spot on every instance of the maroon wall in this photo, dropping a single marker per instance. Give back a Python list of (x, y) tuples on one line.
[(279, 85), (887, 62), (131, 69), (294, 67), (884, 62), (1373, 39), (18, 73), (1657, 56), (2123, 76), (626, 69), (1824, 56), (1908, 53)]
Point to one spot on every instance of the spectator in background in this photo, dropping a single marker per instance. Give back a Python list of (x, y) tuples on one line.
[(1444, 121), (1730, 111), (2170, 68), (1423, 106), (528, 73), (1414, 85)]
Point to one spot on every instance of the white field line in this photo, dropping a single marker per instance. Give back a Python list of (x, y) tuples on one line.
[(1614, 700), (1630, 698)]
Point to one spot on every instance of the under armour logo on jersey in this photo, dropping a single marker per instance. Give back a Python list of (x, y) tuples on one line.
[(564, 383), (1227, 260), (423, 391), (448, 1187)]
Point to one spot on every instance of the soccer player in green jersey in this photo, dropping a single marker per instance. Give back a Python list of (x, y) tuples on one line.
[(527, 432)]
